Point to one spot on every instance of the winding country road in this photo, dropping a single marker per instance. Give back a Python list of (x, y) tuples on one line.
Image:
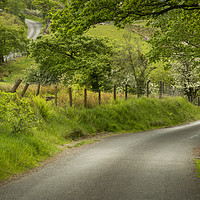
[(34, 28), (153, 165)]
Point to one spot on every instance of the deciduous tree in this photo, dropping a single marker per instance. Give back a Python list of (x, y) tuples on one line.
[(131, 66), (46, 6), (12, 36), (88, 58), (79, 15), (176, 41)]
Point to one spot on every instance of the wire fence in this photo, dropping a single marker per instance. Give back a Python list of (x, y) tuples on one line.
[(79, 96)]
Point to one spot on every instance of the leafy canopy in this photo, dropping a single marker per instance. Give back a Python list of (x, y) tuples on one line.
[(47, 6), (177, 36), (14, 7), (79, 15), (12, 35), (176, 42)]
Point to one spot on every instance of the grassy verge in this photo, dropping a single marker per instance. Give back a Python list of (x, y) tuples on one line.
[(37, 19), (55, 127), (34, 18), (197, 161)]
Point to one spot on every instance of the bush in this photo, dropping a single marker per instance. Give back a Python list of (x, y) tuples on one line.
[(36, 13), (16, 114)]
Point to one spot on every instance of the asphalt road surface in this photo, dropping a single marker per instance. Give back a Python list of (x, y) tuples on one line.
[(34, 28), (154, 165)]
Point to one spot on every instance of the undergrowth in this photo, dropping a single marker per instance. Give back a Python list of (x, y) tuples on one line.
[(197, 161), (52, 127)]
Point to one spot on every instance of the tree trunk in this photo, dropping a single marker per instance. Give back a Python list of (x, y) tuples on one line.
[(1, 59)]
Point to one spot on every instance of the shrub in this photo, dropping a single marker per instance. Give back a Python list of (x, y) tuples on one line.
[(16, 114)]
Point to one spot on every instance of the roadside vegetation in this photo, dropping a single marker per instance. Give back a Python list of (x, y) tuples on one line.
[(197, 161), (33, 130)]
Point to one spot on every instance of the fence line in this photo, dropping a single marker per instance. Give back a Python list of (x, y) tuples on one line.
[(163, 90)]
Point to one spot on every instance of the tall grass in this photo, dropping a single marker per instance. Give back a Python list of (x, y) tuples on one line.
[(60, 125), (63, 94), (197, 161)]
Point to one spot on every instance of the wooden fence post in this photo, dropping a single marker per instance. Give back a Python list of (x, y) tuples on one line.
[(126, 92), (175, 92), (16, 85), (24, 90), (38, 89), (148, 88), (99, 97), (163, 89), (85, 97), (160, 90), (70, 97), (166, 89), (114, 92), (56, 95), (170, 90), (138, 90)]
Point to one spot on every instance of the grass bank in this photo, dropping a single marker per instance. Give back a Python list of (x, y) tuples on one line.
[(50, 128), (197, 161)]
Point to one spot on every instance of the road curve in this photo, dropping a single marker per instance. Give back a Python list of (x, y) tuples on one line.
[(153, 165), (34, 28)]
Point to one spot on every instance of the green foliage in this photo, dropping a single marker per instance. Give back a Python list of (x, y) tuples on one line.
[(161, 73), (12, 36), (58, 126), (42, 108), (19, 153), (11, 71), (138, 114), (15, 7), (197, 161), (47, 7), (177, 37), (29, 4), (34, 75), (81, 59), (176, 42), (131, 66), (34, 15), (80, 15), (110, 31), (16, 114)]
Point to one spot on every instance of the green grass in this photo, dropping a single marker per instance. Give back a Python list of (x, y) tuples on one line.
[(34, 18), (12, 70), (118, 35), (138, 114), (37, 19), (197, 161), (111, 32), (59, 126)]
